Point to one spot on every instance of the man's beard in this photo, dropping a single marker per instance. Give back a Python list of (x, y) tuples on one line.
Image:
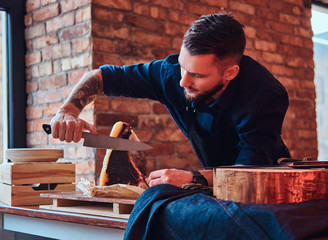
[(204, 97)]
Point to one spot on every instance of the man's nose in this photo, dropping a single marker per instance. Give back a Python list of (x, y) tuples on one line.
[(185, 79)]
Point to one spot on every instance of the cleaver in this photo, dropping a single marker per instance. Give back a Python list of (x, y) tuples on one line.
[(107, 142)]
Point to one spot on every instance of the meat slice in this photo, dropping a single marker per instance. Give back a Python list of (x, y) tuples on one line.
[(125, 167)]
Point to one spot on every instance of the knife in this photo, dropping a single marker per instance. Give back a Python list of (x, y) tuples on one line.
[(107, 142)]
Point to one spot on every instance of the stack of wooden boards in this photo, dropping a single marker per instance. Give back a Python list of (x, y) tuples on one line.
[(28, 172)]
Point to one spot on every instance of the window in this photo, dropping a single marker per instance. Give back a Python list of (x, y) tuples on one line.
[(12, 77), (320, 40)]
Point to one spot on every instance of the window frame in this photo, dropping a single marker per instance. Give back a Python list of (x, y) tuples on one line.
[(16, 81)]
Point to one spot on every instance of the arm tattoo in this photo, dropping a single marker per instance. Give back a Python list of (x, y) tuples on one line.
[(87, 92)]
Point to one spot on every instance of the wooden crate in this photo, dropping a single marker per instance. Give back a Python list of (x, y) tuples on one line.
[(22, 183), (272, 185)]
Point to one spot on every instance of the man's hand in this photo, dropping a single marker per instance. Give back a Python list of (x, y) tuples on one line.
[(67, 127), (175, 177)]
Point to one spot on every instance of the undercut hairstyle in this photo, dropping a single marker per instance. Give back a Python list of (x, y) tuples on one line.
[(218, 34)]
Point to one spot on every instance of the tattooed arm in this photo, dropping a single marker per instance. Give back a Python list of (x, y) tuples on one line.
[(66, 124)]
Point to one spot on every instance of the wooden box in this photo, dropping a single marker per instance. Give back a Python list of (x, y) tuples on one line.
[(22, 183), (271, 185)]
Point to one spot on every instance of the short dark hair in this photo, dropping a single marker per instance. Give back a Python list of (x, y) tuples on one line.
[(218, 34)]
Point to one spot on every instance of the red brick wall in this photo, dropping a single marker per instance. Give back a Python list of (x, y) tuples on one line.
[(67, 38)]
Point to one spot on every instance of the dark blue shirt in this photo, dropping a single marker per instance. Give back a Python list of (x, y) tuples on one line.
[(242, 126)]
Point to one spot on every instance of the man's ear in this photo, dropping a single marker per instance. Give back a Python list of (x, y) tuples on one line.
[(231, 72)]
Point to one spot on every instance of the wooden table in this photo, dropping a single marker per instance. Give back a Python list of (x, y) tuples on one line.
[(60, 225)]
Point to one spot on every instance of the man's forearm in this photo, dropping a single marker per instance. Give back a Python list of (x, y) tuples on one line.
[(86, 90)]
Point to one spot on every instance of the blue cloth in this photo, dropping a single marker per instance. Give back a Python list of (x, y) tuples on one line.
[(243, 126), (169, 212)]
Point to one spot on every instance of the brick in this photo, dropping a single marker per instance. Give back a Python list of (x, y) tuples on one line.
[(302, 103), (44, 41), (145, 135), (152, 39), (32, 5), (110, 31), (31, 86), (47, 97), (170, 4), (306, 74), (242, 7), (281, 28), (259, 3), (181, 18), (102, 44), (160, 149), (184, 147), (273, 57), (56, 51), (46, 12), (104, 119), (60, 22), (36, 139), (177, 42), (102, 104), (280, 70), (155, 121), (81, 45), (305, 93), (159, 108), (53, 82), (250, 32), (45, 69), (175, 29), (47, 2), (83, 60), (34, 112), (102, 58), (75, 31), (175, 162), (170, 135), (297, 62), (28, 20), (157, 12), (51, 109), (303, 32), (76, 151), (68, 5), (145, 23), (200, 9), (267, 13), (221, 4), (290, 19), (32, 58), (138, 107), (118, 4), (295, 2), (141, 9), (111, 16), (280, 6), (265, 45), (83, 14), (75, 75), (34, 31)]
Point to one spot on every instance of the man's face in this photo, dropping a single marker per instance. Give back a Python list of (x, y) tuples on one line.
[(202, 76)]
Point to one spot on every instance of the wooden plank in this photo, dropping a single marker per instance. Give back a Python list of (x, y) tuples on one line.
[(18, 174), (94, 209), (79, 196), (33, 154), (270, 185)]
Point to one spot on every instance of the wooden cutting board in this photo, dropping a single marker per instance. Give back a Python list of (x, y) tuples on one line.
[(271, 185), (76, 202)]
